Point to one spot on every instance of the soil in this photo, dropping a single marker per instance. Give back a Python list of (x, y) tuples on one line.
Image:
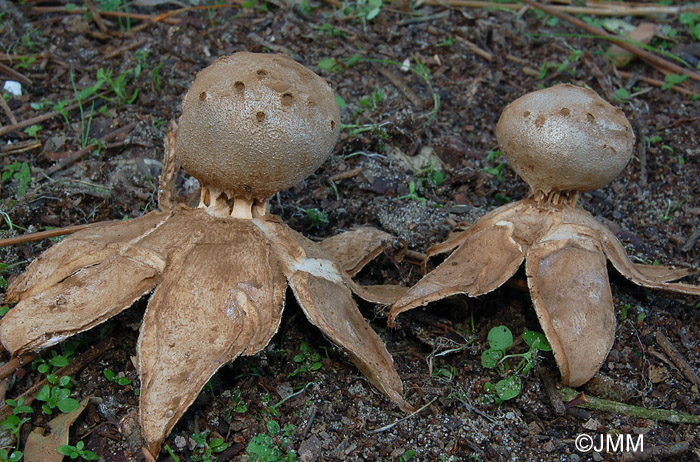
[(401, 128)]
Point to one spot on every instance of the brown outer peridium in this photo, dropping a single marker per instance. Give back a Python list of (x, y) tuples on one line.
[(255, 124), (565, 138)]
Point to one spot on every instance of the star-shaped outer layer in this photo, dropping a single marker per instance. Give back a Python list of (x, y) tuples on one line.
[(565, 252), (220, 288)]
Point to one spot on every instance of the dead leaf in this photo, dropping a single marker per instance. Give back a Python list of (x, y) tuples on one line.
[(643, 33), (42, 447), (657, 374)]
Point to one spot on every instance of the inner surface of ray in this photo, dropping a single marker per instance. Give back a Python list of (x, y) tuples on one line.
[(329, 306), (218, 300), (84, 248), (80, 302), (320, 287), (485, 259), (352, 250), (654, 277), (570, 292)]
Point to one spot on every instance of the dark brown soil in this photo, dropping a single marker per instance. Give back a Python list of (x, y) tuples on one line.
[(447, 115)]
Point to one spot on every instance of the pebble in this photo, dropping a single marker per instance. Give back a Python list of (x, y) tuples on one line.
[(180, 442)]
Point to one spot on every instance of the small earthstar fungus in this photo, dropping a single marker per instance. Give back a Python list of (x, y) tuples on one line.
[(561, 140), (252, 125)]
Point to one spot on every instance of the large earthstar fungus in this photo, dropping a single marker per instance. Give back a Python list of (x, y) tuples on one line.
[(561, 141), (252, 125)]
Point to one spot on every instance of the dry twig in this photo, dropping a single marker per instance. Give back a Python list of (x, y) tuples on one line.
[(475, 48), (15, 74), (96, 16), (75, 156), (600, 8), (49, 115), (656, 83), (607, 405), (19, 147), (660, 452), (659, 63), (116, 14), (46, 235), (114, 53), (677, 358), (401, 86), (12, 365), (75, 365), (8, 111)]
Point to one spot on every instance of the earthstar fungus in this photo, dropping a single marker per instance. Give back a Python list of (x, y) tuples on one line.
[(561, 140), (252, 125)]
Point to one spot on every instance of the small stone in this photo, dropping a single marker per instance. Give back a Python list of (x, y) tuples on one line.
[(180, 442), (310, 449), (534, 428), (284, 390), (597, 457), (657, 374), (592, 424), (13, 88)]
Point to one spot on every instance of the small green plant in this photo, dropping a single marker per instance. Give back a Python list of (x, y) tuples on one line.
[(155, 76), (80, 96), (118, 85), (270, 408), (652, 140), (7, 456), (331, 31), (306, 360), (207, 448), (371, 102), (621, 95), (446, 371), (38, 105), (329, 64), (500, 338), (23, 62), (446, 42), (434, 176), (497, 171), (318, 218), (18, 171), (57, 396), (672, 79), (692, 20), (406, 456), (56, 361), (4, 268), (77, 451), (117, 5), (623, 312), (672, 208), (237, 404), (413, 193), (142, 63), (33, 130), (273, 446), (14, 423), (171, 453), (430, 176), (120, 380), (568, 65), (364, 10)]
